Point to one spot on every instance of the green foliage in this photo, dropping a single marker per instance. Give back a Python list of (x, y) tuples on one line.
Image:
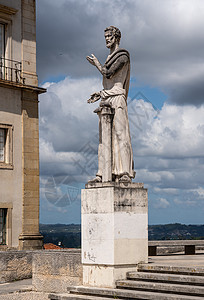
[(176, 231), (70, 235)]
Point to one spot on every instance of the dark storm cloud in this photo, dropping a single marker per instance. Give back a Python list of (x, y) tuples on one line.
[(164, 38), (67, 32)]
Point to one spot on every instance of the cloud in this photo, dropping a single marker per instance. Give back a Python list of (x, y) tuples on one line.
[(177, 132), (161, 203), (167, 146), (164, 39), (177, 201), (68, 127), (169, 191)]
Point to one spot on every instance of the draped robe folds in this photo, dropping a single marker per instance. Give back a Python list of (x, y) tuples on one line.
[(116, 85)]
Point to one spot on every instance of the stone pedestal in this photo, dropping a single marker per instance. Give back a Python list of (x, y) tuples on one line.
[(114, 231)]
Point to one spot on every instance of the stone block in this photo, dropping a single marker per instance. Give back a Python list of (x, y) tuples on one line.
[(104, 276), (15, 265), (54, 271), (31, 242), (114, 231)]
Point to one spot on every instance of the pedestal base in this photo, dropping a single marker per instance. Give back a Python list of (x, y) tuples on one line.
[(114, 231), (105, 276), (30, 242)]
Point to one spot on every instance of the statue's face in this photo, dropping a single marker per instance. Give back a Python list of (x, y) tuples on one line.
[(110, 39)]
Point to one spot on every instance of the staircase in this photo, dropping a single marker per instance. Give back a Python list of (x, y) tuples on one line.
[(150, 282)]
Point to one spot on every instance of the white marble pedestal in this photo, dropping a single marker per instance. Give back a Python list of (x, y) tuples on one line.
[(114, 231)]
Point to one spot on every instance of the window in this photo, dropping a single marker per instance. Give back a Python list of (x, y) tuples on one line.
[(2, 50), (2, 40), (5, 225), (3, 215), (2, 145), (6, 146)]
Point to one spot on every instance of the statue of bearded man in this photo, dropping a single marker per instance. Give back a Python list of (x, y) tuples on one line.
[(116, 75)]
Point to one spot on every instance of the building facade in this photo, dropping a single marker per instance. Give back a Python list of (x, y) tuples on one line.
[(19, 127)]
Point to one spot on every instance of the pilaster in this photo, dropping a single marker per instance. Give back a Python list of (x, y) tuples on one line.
[(28, 27), (30, 237)]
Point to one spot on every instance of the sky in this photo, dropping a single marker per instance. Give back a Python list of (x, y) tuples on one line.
[(165, 102)]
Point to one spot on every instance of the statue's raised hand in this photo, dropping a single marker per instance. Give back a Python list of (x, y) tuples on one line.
[(94, 97), (93, 60)]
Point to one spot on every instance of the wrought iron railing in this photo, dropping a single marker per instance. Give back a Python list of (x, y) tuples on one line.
[(11, 70)]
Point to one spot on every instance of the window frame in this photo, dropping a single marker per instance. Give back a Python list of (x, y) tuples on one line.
[(3, 39), (8, 147), (6, 21), (2, 144), (3, 223), (8, 226), (6, 18)]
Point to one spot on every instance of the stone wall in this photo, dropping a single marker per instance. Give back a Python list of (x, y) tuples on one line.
[(11, 175), (55, 270), (15, 265)]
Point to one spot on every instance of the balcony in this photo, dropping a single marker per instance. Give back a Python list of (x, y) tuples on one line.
[(11, 71)]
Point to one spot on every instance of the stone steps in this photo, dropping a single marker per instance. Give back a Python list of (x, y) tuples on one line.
[(173, 278), (197, 271), (153, 282), (161, 287), (105, 293), (75, 296)]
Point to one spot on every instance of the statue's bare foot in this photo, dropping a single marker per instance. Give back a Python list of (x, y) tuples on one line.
[(96, 179), (125, 178)]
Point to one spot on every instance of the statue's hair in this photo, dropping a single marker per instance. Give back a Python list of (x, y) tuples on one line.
[(115, 31)]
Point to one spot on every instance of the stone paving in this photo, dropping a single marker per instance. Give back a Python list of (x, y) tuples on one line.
[(196, 260), (16, 286)]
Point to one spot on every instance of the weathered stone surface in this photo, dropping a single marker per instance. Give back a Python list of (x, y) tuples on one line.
[(171, 268), (127, 294), (53, 270), (25, 296), (15, 265), (179, 278), (30, 237), (75, 297), (114, 223), (161, 287)]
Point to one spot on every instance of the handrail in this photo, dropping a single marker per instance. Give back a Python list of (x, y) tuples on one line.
[(11, 70)]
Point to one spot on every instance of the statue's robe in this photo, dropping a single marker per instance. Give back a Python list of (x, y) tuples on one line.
[(116, 75)]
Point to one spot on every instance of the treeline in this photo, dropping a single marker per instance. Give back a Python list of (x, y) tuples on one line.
[(69, 236), (176, 231)]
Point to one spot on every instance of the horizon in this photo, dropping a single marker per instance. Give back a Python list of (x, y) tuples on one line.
[(148, 224)]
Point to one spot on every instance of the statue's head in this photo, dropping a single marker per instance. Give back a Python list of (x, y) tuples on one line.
[(112, 36)]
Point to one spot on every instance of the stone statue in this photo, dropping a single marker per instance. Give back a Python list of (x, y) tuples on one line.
[(115, 158)]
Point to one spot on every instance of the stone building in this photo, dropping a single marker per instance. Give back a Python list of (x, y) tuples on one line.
[(19, 129)]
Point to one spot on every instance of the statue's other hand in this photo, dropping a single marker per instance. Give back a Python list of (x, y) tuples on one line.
[(94, 97), (92, 59)]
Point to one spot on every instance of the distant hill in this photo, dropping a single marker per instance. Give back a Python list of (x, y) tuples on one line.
[(70, 235), (176, 232)]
